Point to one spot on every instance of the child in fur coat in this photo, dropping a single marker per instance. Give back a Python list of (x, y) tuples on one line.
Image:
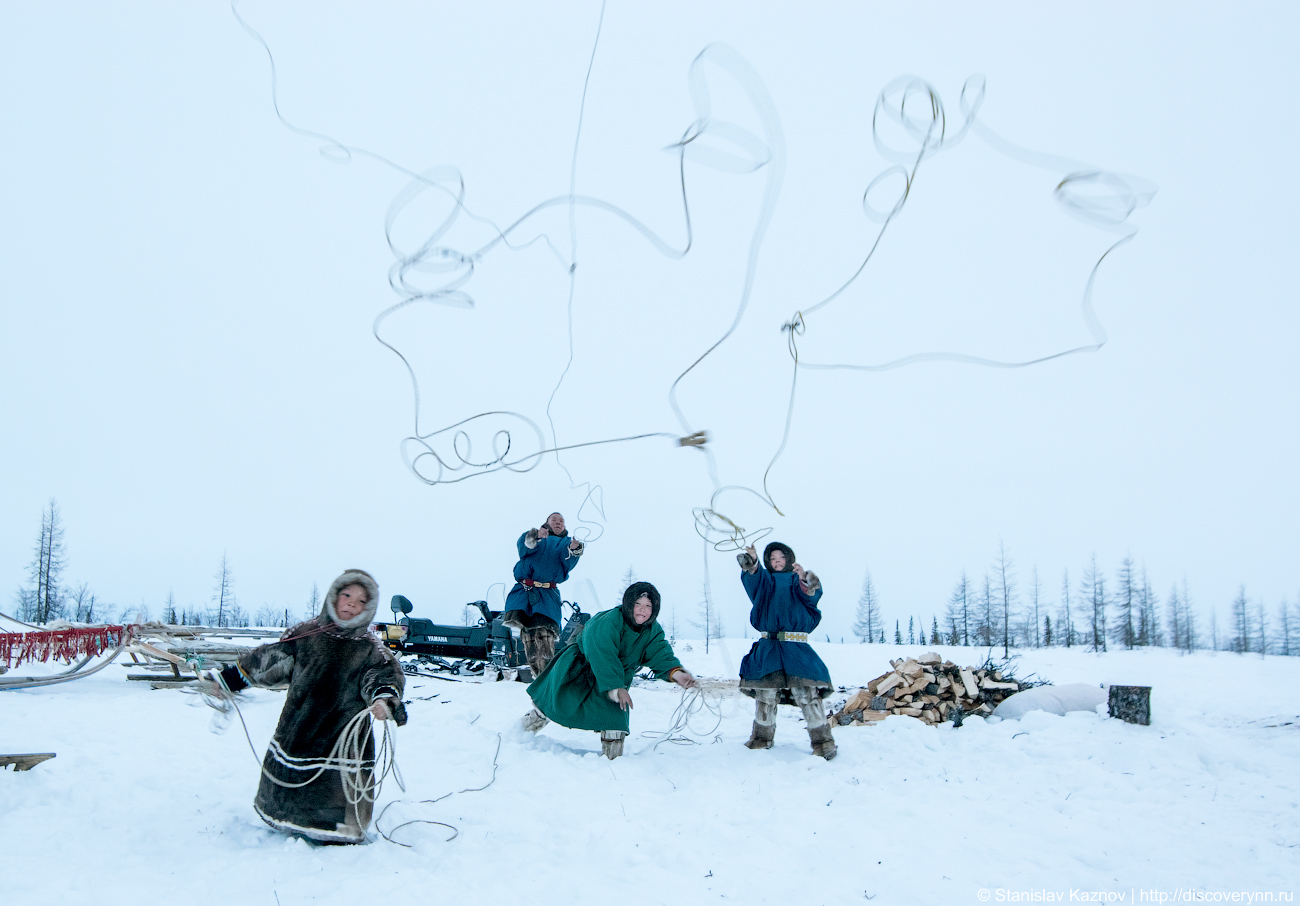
[(334, 668)]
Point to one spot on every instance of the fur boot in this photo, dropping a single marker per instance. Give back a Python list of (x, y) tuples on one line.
[(814, 716), (823, 744), (762, 736), (764, 732), (534, 720), (611, 743), (539, 647)]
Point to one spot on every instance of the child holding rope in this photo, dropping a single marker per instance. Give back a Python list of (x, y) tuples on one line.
[(546, 557), (315, 782), (781, 666), (586, 685)]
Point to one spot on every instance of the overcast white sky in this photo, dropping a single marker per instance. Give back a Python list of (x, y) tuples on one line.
[(188, 287)]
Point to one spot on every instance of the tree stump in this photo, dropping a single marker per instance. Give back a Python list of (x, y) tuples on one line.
[(1131, 704)]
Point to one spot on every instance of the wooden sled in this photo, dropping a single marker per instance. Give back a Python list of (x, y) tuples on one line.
[(24, 762)]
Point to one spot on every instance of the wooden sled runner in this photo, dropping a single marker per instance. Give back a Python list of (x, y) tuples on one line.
[(24, 762)]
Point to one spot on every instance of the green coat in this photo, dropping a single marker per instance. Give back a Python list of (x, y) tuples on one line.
[(606, 655)]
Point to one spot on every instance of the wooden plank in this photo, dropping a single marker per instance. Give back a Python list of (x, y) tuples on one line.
[(25, 762), (968, 680)]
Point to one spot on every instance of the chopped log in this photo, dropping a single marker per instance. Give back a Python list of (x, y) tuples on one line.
[(874, 686), (888, 683), (928, 689), (861, 699), (991, 684)]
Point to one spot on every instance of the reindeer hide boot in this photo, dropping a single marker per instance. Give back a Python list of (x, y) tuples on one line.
[(764, 732), (814, 715), (539, 646), (611, 743), (823, 744), (534, 720)]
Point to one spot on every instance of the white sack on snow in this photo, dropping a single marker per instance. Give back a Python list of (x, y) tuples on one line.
[(1053, 700)]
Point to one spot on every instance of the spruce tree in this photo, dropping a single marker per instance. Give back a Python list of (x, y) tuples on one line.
[(867, 620)]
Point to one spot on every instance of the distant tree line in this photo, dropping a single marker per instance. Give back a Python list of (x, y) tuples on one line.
[(46, 597), (1099, 613)]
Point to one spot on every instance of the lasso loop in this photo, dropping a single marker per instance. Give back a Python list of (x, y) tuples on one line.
[(909, 125)]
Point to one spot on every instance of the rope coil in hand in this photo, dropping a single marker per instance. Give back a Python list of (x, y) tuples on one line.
[(346, 756)]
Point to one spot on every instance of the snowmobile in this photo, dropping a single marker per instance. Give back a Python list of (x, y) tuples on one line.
[(488, 647)]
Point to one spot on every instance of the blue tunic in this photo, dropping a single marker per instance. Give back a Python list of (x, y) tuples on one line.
[(780, 605), (550, 561)]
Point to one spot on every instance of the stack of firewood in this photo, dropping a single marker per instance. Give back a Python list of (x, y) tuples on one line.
[(929, 689)]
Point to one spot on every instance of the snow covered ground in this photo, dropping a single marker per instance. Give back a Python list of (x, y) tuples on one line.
[(144, 803)]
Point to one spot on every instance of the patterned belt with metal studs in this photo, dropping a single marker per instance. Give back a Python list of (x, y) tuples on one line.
[(529, 583), (786, 636)]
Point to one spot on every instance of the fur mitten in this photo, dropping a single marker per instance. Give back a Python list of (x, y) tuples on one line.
[(747, 562), (216, 694), (530, 539), (810, 581), (577, 551)]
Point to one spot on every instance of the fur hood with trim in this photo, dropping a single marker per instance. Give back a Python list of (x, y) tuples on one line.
[(783, 548), (634, 591), (359, 626)]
